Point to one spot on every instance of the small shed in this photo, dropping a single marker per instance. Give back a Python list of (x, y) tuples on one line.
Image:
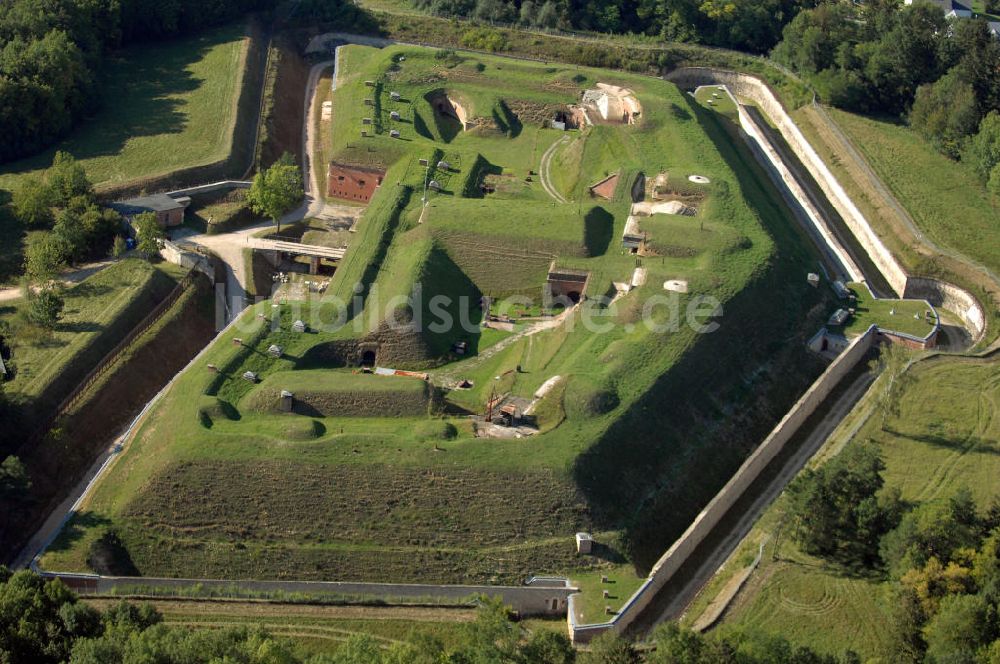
[(250, 377), (395, 96), (584, 543), (813, 279), (444, 165), (435, 185), (394, 133), (275, 350), (287, 401), (394, 115), (366, 121), (299, 326), (840, 289)]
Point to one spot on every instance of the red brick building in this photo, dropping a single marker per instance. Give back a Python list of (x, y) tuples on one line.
[(353, 183)]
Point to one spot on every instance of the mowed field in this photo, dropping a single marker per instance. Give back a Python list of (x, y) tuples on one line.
[(366, 486), (167, 106), (98, 312), (945, 198), (936, 439)]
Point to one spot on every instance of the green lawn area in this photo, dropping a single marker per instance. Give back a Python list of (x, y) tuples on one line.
[(590, 603), (98, 312), (945, 198), (906, 316), (940, 434), (168, 106), (359, 489)]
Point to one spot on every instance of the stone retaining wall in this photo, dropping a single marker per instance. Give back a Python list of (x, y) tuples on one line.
[(756, 90), (541, 598), (947, 296), (708, 518)]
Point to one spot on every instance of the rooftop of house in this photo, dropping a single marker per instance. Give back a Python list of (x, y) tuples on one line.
[(153, 203)]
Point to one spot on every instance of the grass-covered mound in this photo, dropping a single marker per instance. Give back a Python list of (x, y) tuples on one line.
[(326, 393)]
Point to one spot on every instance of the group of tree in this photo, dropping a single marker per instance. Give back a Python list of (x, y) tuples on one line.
[(749, 25), (909, 62), (53, 50), (941, 558), (42, 621), (62, 199)]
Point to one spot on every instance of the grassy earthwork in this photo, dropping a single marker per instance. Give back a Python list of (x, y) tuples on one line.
[(98, 312), (935, 439), (174, 106), (383, 478)]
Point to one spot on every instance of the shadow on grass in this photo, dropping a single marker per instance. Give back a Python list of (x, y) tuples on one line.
[(598, 227), (143, 88), (973, 444), (666, 455)]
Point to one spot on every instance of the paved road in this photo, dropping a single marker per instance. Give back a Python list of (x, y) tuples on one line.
[(674, 601), (228, 247)]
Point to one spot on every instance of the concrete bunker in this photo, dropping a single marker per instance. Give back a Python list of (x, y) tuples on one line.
[(565, 284)]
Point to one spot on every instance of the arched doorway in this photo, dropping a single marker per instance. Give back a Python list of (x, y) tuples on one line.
[(368, 358)]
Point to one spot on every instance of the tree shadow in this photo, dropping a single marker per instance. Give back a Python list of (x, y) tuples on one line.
[(680, 113), (598, 227), (76, 528), (973, 444), (143, 85), (80, 326)]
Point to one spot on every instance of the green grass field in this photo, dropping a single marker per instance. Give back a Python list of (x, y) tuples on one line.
[(169, 106), (906, 316), (371, 488), (944, 197), (939, 435), (98, 312)]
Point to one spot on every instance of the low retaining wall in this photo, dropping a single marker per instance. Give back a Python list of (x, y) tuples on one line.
[(708, 518), (950, 297), (545, 597), (209, 188)]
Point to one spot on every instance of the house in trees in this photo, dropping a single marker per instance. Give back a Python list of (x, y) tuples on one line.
[(169, 211)]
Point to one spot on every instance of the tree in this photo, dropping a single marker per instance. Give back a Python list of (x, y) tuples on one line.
[(276, 190), (42, 308), (33, 202), (945, 113), (961, 626), (610, 648), (118, 247), (148, 233), (67, 178), (14, 479), (31, 627), (549, 647), (69, 227), (837, 510), (982, 152), (937, 528), (45, 256)]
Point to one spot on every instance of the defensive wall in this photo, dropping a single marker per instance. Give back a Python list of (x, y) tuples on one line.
[(541, 596), (937, 292), (709, 517)]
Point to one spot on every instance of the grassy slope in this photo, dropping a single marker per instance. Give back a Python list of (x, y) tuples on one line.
[(936, 439), (169, 106), (98, 312), (391, 251)]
